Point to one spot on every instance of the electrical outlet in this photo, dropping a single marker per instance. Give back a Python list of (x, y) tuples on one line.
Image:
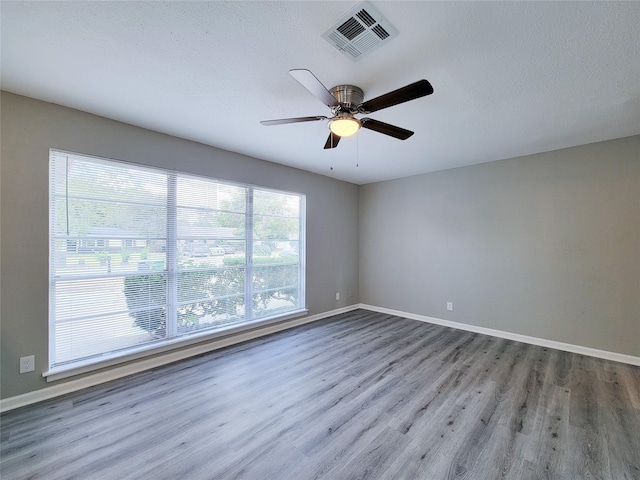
[(337, 295), (450, 306), (27, 364)]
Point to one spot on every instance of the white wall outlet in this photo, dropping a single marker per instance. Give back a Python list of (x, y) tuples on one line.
[(337, 295), (27, 364), (450, 306)]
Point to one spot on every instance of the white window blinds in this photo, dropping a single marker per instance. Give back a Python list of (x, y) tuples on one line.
[(141, 256)]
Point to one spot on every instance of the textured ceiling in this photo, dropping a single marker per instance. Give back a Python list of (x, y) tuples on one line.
[(510, 78)]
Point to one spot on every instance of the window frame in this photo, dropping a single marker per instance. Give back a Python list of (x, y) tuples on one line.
[(173, 340)]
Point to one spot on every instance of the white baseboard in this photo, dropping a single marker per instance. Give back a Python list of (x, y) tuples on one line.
[(99, 377), (542, 342), (145, 364)]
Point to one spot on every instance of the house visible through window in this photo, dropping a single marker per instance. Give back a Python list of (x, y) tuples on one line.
[(140, 256)]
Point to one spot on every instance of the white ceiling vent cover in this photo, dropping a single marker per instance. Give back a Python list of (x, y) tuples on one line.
[(360, 31)]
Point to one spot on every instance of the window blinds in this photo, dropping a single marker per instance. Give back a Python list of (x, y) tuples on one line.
[(140, 255)]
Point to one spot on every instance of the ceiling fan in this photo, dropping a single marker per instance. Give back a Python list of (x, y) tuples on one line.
[(345, 101)]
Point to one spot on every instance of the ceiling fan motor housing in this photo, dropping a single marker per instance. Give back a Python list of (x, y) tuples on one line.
[(349, 96)]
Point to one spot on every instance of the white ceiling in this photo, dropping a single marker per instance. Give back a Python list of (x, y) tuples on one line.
[(510, 78)]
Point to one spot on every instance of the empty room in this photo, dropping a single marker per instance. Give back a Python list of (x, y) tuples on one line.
[(329, 240)]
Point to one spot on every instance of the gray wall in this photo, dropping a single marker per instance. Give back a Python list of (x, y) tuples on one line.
[(546, 245), (30, 127)]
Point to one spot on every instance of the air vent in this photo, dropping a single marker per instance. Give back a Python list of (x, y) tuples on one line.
[(360, 31)]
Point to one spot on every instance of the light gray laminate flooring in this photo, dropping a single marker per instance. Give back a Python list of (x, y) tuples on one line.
[(359, 395)]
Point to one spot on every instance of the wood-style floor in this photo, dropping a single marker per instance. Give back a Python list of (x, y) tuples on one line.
[(360, 395)]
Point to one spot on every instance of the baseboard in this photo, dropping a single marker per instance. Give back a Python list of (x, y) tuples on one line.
[(542, 342), (97, 378)]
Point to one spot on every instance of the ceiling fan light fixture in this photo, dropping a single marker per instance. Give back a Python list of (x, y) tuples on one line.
[(344, 126)]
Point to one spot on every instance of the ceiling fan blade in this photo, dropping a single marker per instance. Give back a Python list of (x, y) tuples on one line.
[(410, 92), (385, 128), (282, 121), (332, 141), (309, 81)]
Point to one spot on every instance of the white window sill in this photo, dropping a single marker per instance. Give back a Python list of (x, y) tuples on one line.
[(108, 360)]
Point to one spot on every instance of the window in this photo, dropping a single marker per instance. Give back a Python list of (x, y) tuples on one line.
[(141, 256)]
